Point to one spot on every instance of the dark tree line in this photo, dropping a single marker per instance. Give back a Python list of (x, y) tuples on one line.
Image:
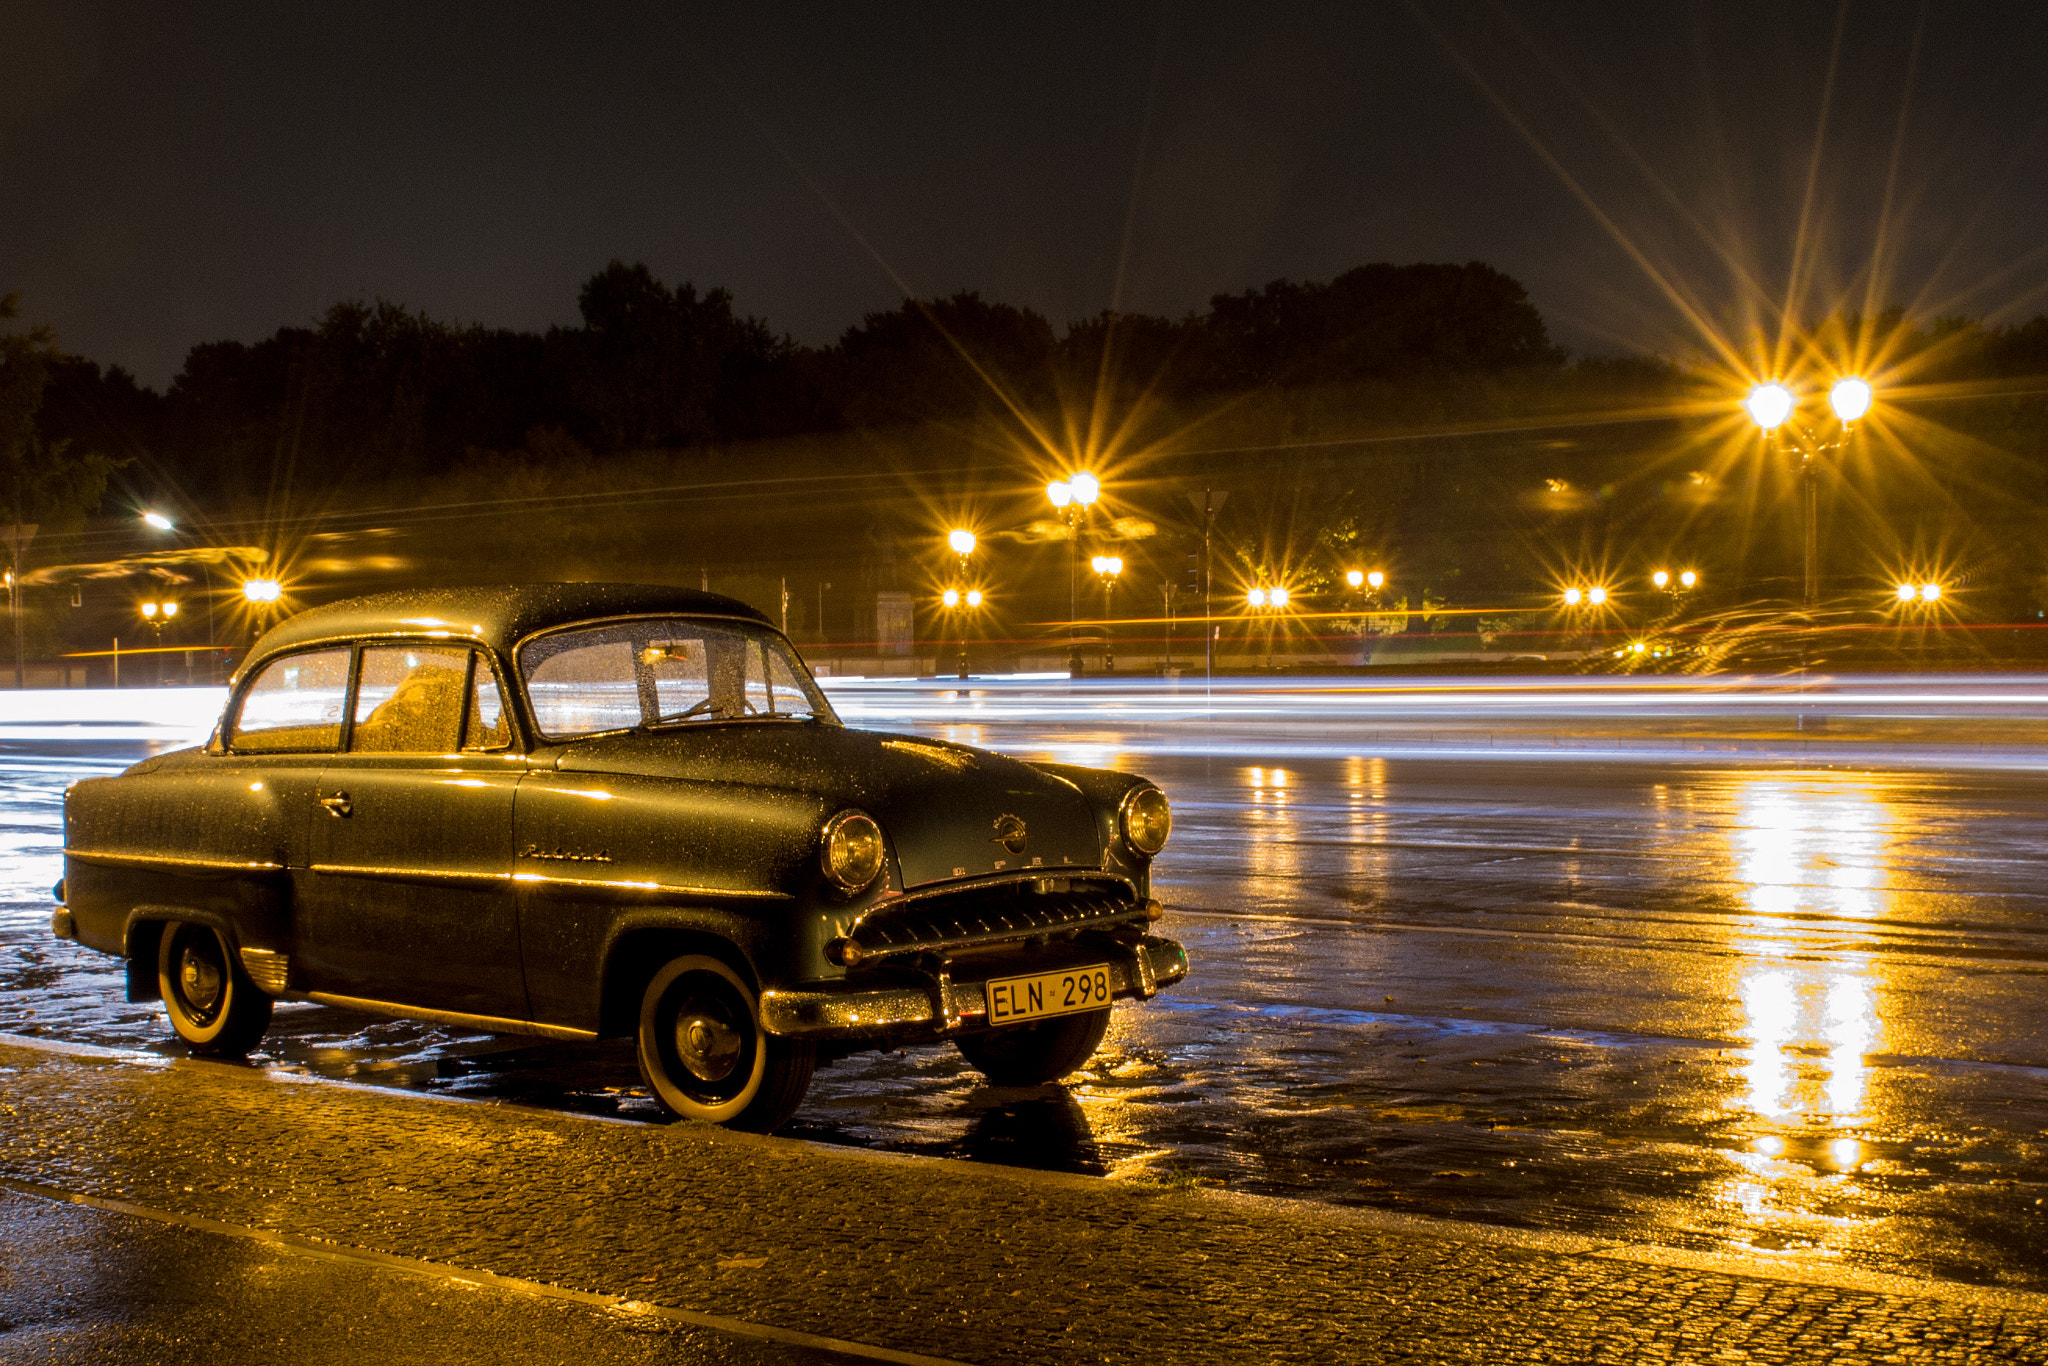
[(376, 391)]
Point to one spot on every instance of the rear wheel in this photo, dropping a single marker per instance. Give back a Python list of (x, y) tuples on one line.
[(213, 1005), (1033, 1054), (705, 1056)]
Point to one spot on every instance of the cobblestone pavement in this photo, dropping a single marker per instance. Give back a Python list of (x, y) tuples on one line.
[(950, 1260)]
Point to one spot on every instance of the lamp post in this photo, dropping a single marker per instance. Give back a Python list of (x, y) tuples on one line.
[(1371, 581), (1072, 497), (1773, 407), (159, 615), (261, 595), (954, 600), (1107, 567), (1269, 600), (156, 521)]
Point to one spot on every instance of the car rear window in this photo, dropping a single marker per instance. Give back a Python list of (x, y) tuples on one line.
[(295, 703)]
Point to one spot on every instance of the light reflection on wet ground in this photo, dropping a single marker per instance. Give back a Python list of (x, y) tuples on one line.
[(1790, 1009)]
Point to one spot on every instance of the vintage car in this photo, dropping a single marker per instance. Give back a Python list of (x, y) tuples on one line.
[(584, 811)]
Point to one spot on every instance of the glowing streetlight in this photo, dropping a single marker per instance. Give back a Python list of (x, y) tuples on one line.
[(1688, 579), (1850, 398), (1257, 597), (1769, 405), (149, 611), (1112, 565), (1930, 592), (1573, 597), (951, 597), (974, 597), (1073, 496), (262, 590), (1596, 596), (1905, 592), (1376, 579), (159, 521), (1355, 577), (961, 541), (1661, 579), (1278, 597)]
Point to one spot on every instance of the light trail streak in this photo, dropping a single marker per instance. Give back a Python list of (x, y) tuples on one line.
[(1267, 717)]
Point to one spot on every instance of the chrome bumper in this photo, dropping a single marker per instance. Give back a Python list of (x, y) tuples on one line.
[(944, 1005)]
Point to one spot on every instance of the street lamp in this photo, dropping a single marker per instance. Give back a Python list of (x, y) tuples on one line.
[(1073, 496), (158, 522), (953, 599), (1271, 601), (961, 542), (1107, 567), (261, 590), (1772, 407)]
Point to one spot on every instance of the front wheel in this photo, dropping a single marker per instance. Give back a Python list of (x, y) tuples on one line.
[(705, 1056), (213, 1005), (1033, 1054)]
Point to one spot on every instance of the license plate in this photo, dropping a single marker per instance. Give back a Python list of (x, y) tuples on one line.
[(1012, 1000)]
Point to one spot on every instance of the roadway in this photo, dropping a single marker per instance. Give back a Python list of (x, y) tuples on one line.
[(1742, 966)]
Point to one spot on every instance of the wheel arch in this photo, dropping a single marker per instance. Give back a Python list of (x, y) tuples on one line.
[(639, 950), (143, 933)]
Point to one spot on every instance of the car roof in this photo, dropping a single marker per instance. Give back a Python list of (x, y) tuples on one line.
[(497, 616)]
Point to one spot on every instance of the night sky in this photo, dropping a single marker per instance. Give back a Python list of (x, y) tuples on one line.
[(174, 174)]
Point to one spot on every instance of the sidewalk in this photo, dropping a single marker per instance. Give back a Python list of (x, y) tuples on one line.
[(915, 1256)]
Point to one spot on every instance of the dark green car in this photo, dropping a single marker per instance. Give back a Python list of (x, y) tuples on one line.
[(600, 810)]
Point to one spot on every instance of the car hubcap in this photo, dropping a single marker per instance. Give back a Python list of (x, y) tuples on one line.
[(200, 979), (706, 1042)]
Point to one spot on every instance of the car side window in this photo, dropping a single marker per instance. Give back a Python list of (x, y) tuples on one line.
[(487, 726), (295, 703), (409, 699)]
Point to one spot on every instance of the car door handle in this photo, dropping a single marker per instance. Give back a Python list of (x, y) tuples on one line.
[(338, 805)]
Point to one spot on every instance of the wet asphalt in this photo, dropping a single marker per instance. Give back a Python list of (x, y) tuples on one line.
[(1775, 998)]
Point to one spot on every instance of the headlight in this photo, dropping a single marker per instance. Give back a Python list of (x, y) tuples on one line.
[(852, 850), (1147, 820)]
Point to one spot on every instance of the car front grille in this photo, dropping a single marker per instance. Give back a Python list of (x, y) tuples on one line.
[(975, 916)]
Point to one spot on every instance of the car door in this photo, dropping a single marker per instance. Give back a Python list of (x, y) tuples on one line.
[(410, 897), (248, 808)]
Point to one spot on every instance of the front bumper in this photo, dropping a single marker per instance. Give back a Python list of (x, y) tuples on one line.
[(940, 1005)]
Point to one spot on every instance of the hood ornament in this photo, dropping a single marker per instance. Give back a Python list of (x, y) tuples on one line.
[(1010, 833)]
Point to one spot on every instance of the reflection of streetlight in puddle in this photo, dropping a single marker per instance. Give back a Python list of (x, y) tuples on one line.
[(1811, 852), (1274, 851), (1807, 849)]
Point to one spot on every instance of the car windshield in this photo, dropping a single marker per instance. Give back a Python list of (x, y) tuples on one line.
[(662, 671)]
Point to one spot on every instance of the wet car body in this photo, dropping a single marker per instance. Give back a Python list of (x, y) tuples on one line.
[(505, 875)]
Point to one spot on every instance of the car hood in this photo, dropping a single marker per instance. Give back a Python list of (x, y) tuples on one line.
[(939, 803)]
